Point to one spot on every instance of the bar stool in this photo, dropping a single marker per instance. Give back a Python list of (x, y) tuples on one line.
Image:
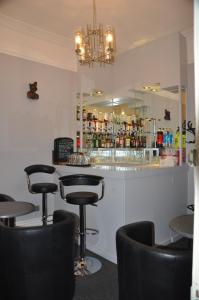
[(7, 221), (85, 265), (43, 188)]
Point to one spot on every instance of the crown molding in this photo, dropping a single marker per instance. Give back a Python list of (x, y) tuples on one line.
[(188, 33), (38, 59), (33, 31), (37, 43)]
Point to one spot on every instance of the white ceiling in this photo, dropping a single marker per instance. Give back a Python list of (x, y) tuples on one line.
[(135, 21)]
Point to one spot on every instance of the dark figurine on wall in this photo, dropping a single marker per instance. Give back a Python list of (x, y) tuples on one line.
[(167, 115), (32, 93)]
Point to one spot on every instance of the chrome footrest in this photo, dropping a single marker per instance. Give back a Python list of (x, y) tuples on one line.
[(86, 266), (49, 219)]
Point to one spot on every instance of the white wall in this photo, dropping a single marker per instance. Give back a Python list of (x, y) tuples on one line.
[(28, 127), (157, 106), (157, 61)]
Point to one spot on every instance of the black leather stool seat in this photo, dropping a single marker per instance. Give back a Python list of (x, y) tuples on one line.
[(41, 187), (79, 198), (44, 187)]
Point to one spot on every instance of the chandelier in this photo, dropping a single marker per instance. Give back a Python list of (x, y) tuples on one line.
[(95, 44)]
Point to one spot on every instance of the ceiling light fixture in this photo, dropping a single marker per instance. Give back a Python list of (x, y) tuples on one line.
[(94, 44), (152, 88)]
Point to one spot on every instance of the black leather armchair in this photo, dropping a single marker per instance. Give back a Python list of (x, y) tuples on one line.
[(37, 262), (148, 272)]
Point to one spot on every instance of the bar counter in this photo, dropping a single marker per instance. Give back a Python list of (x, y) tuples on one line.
[(132, 193)]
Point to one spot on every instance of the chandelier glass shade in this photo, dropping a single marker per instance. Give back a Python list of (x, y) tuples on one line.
[(94, 44)]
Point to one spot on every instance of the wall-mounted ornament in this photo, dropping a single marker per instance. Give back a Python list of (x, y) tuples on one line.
[(167, 115), (32, 93)]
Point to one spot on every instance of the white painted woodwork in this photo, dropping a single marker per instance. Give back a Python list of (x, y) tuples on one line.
[(135, 22), (29, 42), (195, 273), (131, 194)]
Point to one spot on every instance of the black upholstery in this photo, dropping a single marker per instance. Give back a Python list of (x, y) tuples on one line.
[(81, 198), (7, 221), (42, 187), (39, 168), (81, 179), (78, 198), (37, 262), (148, 272)]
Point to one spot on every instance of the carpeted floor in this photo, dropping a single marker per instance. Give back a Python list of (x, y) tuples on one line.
[(103, 284)]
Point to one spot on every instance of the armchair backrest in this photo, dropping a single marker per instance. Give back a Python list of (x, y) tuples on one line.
[(38, 262), (148, 272)]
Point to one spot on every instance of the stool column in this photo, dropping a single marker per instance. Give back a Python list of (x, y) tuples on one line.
[(82, 225), (44, 209)]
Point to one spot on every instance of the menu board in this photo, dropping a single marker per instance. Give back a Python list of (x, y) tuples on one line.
[(63, 147)]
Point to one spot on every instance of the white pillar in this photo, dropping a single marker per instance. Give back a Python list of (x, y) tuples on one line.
[(195, 272)]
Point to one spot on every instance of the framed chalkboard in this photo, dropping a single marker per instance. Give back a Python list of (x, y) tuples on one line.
[(63, 147)]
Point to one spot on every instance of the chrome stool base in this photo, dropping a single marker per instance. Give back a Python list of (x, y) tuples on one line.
[(87, 266)]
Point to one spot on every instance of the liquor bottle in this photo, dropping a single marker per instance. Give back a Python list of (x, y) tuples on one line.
[(111, 141), (78, 141), (165, 138), (127, 141), (84, 114), (94, 141), (159, 141), (121, 139), (99, 140), (132, 143), (177, 138), (117, 141), (144, 142), (78, 113), (103, 142), (170, 138)]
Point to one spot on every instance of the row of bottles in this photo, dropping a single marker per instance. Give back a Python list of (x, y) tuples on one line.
[(121, 140), (177, 139), (164, 138), (140, 126), (104, 122), (128, 139), (114, 130)]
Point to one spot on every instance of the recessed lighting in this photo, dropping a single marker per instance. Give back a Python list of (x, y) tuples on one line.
[(155, 87), (98, 92)]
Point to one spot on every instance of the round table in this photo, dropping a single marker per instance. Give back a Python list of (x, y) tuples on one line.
[(183, 225), (15, 209)]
